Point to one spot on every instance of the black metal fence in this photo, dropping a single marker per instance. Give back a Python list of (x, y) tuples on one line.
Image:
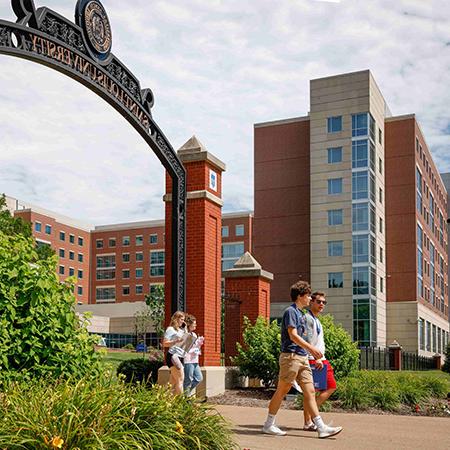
[(378, 358)]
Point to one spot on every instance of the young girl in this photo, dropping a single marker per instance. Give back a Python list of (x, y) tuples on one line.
[(192, 373), (173, 338)]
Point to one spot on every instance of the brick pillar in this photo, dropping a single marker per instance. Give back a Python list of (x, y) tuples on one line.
[(247, 293), (203, 244), (395, 351)]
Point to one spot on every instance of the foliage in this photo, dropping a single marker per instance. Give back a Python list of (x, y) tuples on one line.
[(446, 365), (105, 413), (156, 306), (129, 346), (324, 407), (352, 393), (40, 334), (140, 370), (340, 350), (258, 357)]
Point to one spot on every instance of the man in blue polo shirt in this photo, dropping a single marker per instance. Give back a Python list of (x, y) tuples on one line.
[(294, 363)]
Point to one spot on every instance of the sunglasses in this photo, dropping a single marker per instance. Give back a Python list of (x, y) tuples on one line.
[(321, 302)]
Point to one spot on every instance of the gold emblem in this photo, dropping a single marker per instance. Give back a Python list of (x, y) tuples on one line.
[(98, 27)]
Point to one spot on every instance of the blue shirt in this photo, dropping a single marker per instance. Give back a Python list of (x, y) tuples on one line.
[(293, 318)]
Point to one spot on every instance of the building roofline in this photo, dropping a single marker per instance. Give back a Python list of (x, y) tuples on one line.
[(237, 214), (401, 117), (281, 122), (130, 225), (342, 75)]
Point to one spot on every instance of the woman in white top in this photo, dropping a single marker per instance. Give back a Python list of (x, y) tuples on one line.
[(173, 339), (192, 373)]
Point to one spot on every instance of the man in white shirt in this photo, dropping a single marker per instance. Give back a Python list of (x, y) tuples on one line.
[(315, 338)]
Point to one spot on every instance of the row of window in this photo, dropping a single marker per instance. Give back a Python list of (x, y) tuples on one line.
[(239, 230), (431, 337), (62, 234), (62, 254), (139, 240), (109, 293), (110, 274), (360, 218), (71, 273), (364, 281), (363, 124)]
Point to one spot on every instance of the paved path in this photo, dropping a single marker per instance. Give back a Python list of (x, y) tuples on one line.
[(361, 431)]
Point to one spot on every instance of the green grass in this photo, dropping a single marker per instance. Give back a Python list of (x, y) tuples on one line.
[(115, 358), (430, 373)]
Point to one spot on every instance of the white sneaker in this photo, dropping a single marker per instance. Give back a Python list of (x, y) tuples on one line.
[(328, 431), (274, 430)]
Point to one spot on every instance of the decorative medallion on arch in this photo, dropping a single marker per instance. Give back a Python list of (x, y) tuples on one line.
[(82, 51)]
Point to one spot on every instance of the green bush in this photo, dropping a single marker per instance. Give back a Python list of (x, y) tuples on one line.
[(129, 346), (446, 365), (411, 389), (140, 370), (258, 357), (40, 334), (340, 350), (353, 393), (385, 397), (106, 414), (435, 386)]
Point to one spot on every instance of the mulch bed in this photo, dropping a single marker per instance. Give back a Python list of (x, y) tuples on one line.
[(260, 397)]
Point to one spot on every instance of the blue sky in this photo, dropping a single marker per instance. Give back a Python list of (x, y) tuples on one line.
[(216, 67)]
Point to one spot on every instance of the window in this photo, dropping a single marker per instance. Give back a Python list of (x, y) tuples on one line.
[(139, 240), (360, 217), (360, 280), (105, 294), (380, 165), (61, 270), (139, 256), (360, 154), (126, 290), (381, 254), (334, 155), (335, 217), (335, 186), (239, 230), (71, 271), (80, 290), (106, 261), (157, 261), (381, 284), (421, 325), (360, 185), (80, 257), (139, 289), (335, 280), (37, 226), (434, 339), (334, 124), (107, 274), (231, 252), (380, 195), (428, 336), (361, 248), (80, 241), (153, 239), (71, 255), (335, 248), (71, 238), (80, 274), (99, 243), (62, 253), (125, 257), (126, 241), (111, 242), (48, 229), (125, 273), (225, 231), (62, 236), (139, 273), (359, 124), (380, 136)]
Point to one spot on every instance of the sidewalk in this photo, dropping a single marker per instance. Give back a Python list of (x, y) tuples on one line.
[(361, 431)]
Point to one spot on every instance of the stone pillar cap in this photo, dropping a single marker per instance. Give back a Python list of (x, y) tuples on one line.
[(193, 150), (247, 267), (394, 344)]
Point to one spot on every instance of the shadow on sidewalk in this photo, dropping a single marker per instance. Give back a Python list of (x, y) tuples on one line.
[(255, 430)]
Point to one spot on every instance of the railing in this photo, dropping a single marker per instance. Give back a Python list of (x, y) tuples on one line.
[(412, 361)]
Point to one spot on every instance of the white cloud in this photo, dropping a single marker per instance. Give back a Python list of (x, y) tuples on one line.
[(216, 67)]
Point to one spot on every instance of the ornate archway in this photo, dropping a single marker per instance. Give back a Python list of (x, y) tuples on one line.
[(82, 51)]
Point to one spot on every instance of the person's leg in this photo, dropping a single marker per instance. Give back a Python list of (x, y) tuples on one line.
[(324, 396), (197, 376), (178, 376), (188, 377), (282, 389)]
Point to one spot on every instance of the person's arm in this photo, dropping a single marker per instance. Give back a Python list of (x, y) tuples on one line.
[(293, 335), (170, 339)]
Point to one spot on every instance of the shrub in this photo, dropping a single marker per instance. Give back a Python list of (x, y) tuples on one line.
[(353, 393), (435, 386), (140, 370), (258, 357), (103, 413), (385, 396), (411, 390), (340, 350), (446, 365), (129, 346)]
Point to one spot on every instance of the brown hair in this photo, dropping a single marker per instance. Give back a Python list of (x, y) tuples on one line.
[(300, 288), (316, 294), (176, 315), (190, 319)]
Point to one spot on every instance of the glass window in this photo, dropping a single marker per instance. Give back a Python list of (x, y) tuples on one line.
[(335, 217), (139, 289), (61, 270), (434, 339), (225, 231), (62, 253), (334, 124), (360, 217), (360, 280), (139, 256), (80, 290), (71, 271), (71, 238), (360, 185), (125, 273), (157, 261), (139, 273), (125, 257), (48, 229), (335, 280), (361, 248), (80, 257), (335, 248), (71, 255), (105, 294), (99, 243), (360, 154), (381, 254), (360, 125), (334, 155), (334, 186), (106, 274), (37, 226), (139, 240), (428, 336), (125, 241), (80, 274), (421, 325), (231, 252), (126, 290), (380, 136), (80, 241), (380, 195), (380, 165), (381, 224), (106, 261), (239, 230), (62, 236), (111, 242), (153, 239)]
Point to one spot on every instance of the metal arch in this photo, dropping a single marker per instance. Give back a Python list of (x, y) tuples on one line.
[(53, 41)]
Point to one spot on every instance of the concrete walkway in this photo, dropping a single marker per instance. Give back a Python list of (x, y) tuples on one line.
[(361, 431)]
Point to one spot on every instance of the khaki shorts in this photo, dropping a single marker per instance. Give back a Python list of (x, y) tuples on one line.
[(295, 367)]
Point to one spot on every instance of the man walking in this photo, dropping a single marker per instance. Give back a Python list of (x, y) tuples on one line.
[(315, 338), (294, 364)]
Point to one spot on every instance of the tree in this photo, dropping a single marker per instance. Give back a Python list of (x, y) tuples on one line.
[(156, 306)]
